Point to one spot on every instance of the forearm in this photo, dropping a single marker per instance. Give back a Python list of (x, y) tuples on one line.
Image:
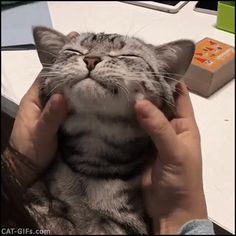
[(13, 213)]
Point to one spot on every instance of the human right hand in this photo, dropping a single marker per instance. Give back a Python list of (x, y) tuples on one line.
[(34, 134)]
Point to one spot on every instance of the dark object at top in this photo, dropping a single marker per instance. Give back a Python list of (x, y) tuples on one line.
[(172, 3)]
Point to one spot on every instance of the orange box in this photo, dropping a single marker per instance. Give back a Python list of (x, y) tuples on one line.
[(211, 68)]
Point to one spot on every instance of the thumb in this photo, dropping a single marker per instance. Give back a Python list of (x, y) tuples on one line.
[(53, 115), (157, 126)]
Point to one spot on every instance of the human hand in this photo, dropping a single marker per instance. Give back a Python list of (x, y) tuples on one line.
[(34, 133), (173, 186)]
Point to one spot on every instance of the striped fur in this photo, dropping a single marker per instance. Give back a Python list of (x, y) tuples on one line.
[(94, 185)]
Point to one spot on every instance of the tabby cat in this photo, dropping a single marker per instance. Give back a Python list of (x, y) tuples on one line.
[(93, 186)]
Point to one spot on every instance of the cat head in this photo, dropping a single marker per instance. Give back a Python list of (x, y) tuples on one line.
[(110, 67)]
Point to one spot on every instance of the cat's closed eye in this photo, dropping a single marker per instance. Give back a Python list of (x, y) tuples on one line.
[(71, 50), (124, 55), (127, 55)]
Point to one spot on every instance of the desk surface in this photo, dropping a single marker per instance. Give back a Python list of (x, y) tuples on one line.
[(215, 115)]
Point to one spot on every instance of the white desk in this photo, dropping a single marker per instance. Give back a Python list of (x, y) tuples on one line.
[(215, 115)]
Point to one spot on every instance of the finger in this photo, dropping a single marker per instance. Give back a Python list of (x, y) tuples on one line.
[(157, 126), (184, 106), (53, 115)]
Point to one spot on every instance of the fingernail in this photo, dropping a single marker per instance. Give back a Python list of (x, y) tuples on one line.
[(143, 109)]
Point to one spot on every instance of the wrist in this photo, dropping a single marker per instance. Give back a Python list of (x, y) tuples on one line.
[(170, 222), (170, 225), (23, 170)]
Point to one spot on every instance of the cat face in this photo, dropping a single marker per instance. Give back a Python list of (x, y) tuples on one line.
[(110, 68)]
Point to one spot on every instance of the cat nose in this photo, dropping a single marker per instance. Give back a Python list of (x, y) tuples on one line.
[(91, 62)]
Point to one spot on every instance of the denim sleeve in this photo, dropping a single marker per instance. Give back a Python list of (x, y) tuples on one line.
[(197, 227)]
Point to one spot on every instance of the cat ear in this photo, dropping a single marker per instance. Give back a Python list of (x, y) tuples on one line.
[(48, 43), (177, 56)]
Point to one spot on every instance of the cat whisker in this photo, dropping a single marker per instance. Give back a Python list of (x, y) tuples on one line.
[(126, 92), (123, 89), (164, 74), (127, 34), (51, 68), (142, 28), (134, 80), (51, 76), (161, 97), (47, 64), (54, 88), (167, 77), (46, 75), (50, 93), (50, 73), (175, 90), (139, 85), (168, 102), (50, 53), (175, 74), (159, 73)]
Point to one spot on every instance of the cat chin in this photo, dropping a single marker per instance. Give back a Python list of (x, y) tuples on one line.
[(82, 102), (89, 88), (89, 96), (97, 92)]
